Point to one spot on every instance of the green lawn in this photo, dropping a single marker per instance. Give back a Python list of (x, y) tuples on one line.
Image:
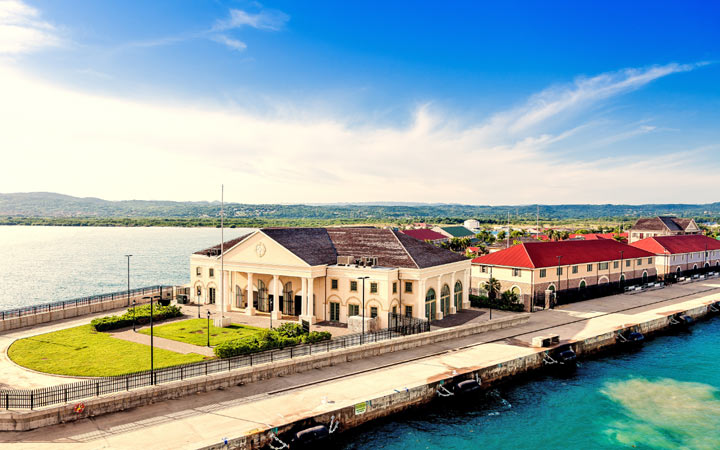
[(194, 331), (82, 351)]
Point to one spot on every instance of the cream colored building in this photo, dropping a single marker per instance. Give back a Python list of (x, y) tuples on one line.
[(683, 255), (317, 275), (662, 226)]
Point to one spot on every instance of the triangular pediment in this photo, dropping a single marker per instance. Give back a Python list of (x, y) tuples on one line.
[(259, 249)]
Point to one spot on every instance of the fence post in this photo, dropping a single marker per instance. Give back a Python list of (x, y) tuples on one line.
[(127, 383), (7, 401), (32, 399), (251, 359), (97, 389), (65, 396), (205, 369), (182, 373), (228, 364), (291, 353)]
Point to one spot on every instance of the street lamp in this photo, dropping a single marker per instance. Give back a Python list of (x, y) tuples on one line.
[(491, 286), (362, 336), (622, 252), (552, 305), (128, 267), (198, 302), (133, 308), (152, 347), (208, 327)]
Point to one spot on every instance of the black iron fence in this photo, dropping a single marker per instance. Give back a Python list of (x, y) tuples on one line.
[(674, 277), (407, 325), (566, 296), (38, 398), (164, 291)]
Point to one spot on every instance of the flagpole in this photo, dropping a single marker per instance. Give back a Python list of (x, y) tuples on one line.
[(222, 253)]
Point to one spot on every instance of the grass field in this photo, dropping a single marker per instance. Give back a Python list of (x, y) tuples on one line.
[(194, 331), (82, 351)]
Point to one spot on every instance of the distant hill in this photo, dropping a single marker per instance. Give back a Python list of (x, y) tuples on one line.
[(52, 205)]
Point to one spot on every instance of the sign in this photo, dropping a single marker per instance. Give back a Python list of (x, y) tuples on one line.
[(306, 326), (360, 408)]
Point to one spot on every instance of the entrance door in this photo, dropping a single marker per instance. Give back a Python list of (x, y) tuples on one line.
[(334, 311), (430, 310), (298, 305)]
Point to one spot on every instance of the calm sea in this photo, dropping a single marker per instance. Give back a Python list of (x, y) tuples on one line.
[(42, 264)]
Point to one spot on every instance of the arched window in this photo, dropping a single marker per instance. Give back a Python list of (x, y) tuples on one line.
[(622, 279), (645, 277), (430, 305), (445, 300), (583, 285), (458, 295), (515, 290), (551, 288)]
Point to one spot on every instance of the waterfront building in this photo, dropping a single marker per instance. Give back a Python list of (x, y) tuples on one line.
[(682, 255), (662, 226), (570, 269), (425, 234), (316, 274), (472, 225), (455, 231)]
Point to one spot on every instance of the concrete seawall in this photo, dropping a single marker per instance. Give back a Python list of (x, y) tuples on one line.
[(501, 369)]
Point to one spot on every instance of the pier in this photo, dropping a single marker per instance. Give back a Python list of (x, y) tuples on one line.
[(355, 392)]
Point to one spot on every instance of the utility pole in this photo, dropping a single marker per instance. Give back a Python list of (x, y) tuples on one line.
[(128, 265), (507, 238), (222, 254), (537, 224)]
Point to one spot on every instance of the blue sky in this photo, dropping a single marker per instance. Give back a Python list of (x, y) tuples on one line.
[(504, 102)]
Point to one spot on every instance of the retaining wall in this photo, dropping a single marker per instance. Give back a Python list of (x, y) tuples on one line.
[(21, 420)]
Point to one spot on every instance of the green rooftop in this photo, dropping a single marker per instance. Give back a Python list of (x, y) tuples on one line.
[(458, 231)]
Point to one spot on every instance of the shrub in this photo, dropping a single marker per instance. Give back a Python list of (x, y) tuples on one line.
[(286, 335), (142, 316), (504, 303)]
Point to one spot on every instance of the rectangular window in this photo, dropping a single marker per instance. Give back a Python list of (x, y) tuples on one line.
[(558, 271), (627, 263), (333, 284), (575, 269), (649, 260), (639, 262), (543, 272), (394, 310), (394, 287), (353, 286), (373, 312), (603, 266), (616, 264), (589, 268), (483, 269), (211, 295), (211, 272), (198, 271), (353, 310), (408, 287), (408, 311), (516, 272), (373, 288)]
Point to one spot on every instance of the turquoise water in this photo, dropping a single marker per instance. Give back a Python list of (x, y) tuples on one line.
[(664, 396), (43, 264)]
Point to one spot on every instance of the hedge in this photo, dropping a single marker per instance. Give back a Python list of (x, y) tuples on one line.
[(141, 317), (502, 303), (286, 335)]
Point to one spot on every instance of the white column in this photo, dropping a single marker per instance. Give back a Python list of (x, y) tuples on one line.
[(276, 314), (453, 308), (303, 306), (438, 294), (308, 306), (420, 304), (311, 297), (466, 290), (250, 309), (223, 292)]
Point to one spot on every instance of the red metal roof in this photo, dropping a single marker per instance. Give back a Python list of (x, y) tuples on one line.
[(424, 235), (544, 254), (594, 236), (686, 243)]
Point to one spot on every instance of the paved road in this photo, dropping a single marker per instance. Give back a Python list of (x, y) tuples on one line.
[(206, 418)]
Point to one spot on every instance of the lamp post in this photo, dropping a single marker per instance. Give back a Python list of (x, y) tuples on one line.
[(198, 301), (622, 252), (491, 286), (362, 336), (152, 348), (559, 257), (208, 327), (128, 271), (133, 307)]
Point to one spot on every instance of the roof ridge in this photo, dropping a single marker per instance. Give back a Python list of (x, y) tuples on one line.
[(532, 263), (404, 249)]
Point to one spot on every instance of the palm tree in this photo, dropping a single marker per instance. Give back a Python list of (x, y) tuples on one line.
[(492, 286)]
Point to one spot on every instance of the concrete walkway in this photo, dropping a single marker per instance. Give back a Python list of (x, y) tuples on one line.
[(165, 344), (206, 419)]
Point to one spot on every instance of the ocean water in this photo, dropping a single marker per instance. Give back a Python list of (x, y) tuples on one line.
[(43, 264), (663, 396)]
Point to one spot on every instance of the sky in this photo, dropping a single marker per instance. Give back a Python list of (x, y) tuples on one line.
[(318, 102)]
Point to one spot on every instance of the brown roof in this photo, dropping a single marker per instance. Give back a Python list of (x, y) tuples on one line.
[(215, 250), (662, 223), (318, 246)]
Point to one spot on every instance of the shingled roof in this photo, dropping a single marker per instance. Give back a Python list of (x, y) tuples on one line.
[(215, 250), (662, 223)]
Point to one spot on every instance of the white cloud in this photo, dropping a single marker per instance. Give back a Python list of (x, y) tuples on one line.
[(57, 139), (230, 42), (22, 30), (270, 20)]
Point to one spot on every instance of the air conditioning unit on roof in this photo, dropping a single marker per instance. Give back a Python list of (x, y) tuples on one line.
[(344, 260)]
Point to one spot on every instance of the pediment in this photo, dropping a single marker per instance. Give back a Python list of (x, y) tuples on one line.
[(259, 249)]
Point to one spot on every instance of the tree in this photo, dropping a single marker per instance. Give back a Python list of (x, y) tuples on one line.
[(517, 233), (501, 235), (492, 286), (509, 297)]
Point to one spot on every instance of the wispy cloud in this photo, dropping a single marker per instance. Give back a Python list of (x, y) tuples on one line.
[(230, 42), (270, 20), (291, 158), (22, 30)]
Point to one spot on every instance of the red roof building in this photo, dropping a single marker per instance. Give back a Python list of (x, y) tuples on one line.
[(569, 268), (682, 254), (425, 235)]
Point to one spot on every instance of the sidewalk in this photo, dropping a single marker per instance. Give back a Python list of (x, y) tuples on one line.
[(165, 344), (207, 418)]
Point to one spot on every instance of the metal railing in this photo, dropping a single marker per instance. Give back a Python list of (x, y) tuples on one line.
[(38, 398), (82, 301)]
